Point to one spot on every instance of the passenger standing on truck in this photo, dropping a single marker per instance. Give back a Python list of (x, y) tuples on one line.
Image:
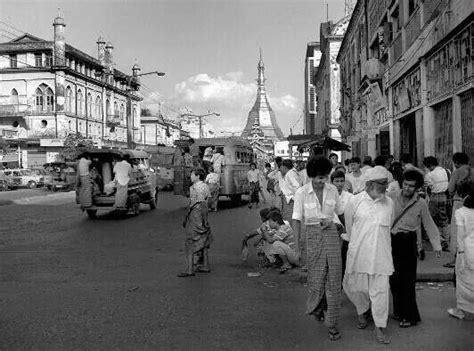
[(122, 171), (218, 160), (207, 158), (198, 231), (213, 182), (83, 181)]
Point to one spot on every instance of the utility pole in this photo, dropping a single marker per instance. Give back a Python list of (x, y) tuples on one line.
[(200, 119)]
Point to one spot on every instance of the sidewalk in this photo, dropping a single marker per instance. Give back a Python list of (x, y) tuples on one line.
[(429, 270), (32, 196)]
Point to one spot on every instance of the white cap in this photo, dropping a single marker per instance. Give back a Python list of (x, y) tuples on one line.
[(378, 174)]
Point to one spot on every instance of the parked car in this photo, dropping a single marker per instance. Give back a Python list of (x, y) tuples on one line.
[(27, 178), (60, 175)]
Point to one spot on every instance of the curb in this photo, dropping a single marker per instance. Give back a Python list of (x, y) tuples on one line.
[(38, 197), (302, 277)]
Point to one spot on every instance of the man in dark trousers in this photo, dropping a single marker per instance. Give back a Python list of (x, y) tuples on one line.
[(410, 212)]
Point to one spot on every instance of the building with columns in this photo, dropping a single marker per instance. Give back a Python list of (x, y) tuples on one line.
[(327, 79), (312, 58), (50, 89), (407, 66)]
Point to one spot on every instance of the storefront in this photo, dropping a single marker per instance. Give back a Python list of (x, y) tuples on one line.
[(443, 117), (467, 123)]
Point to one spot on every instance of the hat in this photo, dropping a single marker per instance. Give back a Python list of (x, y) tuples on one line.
[(376, 175)]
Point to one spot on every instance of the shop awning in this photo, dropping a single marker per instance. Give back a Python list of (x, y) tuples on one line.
[(308, 141)]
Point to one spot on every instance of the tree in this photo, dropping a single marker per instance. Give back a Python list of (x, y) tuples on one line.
[(145, 112), (74, 145)]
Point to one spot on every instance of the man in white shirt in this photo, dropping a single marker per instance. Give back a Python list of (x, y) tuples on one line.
[(356, 178), (289, 183), (368, 217), (437, 182), (207, 158), (122, 170), (218, 160), (316, 205)]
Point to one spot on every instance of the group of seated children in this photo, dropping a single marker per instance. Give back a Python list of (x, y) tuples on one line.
[(275, 241), (274, 238)]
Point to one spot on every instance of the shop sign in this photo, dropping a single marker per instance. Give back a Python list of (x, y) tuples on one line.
[(52, 142)]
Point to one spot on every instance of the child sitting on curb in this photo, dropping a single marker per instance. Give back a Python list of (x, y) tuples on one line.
[(259, 243), (280, 242)]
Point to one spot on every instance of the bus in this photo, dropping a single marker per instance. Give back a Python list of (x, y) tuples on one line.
[(238, 154)]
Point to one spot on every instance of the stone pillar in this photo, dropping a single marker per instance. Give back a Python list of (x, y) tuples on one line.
[(396, 139), (372, 144), (428, 131), (419, 136), (457, 124)]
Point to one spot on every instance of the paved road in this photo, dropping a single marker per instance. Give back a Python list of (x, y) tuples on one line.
[(69, 283)]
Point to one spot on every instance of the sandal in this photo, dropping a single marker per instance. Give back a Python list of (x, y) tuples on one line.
[(406, 324), (185, 275), (382, 339), (334, 334)]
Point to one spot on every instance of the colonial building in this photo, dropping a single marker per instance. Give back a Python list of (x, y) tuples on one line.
[(413, 87), (156, 130), (312, 58), (262, 129), (50, 89), (327, 79)]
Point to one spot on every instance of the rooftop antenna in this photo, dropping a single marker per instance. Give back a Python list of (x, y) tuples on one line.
[(327, 12)]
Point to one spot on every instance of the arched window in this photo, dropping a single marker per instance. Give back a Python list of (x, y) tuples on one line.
[(80, 103), (107, 108), (39, 100), (98, 108), (14, 97), (69, 102), (122, 112), (116, 109), (44, 98), (49, 100), (90, 107)]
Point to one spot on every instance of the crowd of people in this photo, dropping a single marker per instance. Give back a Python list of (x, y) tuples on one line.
[(357, 227)]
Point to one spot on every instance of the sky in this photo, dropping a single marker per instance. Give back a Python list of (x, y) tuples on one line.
[(209, 49)]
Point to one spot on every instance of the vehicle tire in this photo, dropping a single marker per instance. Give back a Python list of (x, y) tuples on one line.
[(236, 199), (92, 214), (154, 200), (32, 184)]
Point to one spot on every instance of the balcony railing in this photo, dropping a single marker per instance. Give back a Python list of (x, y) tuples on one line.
[(14, 110), (114, 120)]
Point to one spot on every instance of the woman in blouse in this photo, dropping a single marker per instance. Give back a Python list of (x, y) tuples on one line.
[(253, 177), (198, 231)]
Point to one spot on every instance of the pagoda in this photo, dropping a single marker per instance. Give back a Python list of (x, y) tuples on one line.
[(262, 130)]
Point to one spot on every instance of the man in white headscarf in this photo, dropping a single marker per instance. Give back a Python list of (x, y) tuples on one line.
[(368, 216)]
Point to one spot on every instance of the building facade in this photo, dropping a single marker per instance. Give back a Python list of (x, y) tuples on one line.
[(312, 59), (156, 130), (50, 89), (412, 92), (327, 79)]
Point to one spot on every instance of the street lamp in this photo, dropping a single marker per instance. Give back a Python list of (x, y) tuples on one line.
[(130, 116), (200, 118)]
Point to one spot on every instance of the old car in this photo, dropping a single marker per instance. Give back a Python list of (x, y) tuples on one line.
[(142, 187), (60, 176), (26, 178)]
